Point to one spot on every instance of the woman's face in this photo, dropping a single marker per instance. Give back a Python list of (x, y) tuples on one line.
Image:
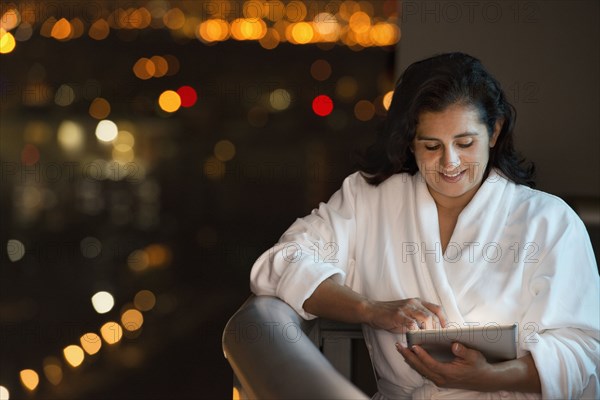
[(452, 148)]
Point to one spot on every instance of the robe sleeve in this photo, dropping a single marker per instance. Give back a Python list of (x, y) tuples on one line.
[(314, 248), (561, 326)]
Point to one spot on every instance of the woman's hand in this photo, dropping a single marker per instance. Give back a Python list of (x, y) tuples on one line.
[(469, 369), (400, 316)]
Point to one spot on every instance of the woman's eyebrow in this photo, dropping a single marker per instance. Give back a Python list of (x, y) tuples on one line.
[(460, 135)]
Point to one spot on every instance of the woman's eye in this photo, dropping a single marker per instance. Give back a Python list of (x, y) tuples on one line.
[(432, 147), (465, 145)]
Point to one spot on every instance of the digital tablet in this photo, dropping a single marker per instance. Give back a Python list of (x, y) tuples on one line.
[(496, 342)]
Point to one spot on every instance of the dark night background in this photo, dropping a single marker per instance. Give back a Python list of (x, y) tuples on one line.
[(205, 220)]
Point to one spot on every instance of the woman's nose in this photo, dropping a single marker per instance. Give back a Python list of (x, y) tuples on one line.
[(450, 160)]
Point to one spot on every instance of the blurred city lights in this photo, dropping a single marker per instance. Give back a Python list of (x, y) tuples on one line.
[(7, 42), (74, 355), (224, 150), (99, 108), (29, 378), (169, 101), (99, 30), (188, 96), (320, 70), (53, 370), (103, 302), (106, 130), (91, 343), (61, 30), (132, 320), (4, 393), (364, 110), (70, 136), (280, 99), (144, 300), (111, 332), (322, 105), (387, 99), (15, 250)]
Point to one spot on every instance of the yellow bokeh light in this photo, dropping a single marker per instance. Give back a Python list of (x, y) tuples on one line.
[(138, 260), (360, 22), (106, 130), (224, 150), (302, 32), (53, 370), (387, 99), (347, 8), (91, 343), (111, 332), (99, 30), (70, 136), (7, 42), (280, 99), (132, 320), (144, 300), (236, 394), (61, 30), (169, 101), (124, 140), (384, 34), (74, 355), (103, 302), (29, 378), (214, 30), (99, 108)]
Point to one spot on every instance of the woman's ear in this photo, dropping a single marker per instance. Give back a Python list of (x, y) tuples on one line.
[(497, 128)]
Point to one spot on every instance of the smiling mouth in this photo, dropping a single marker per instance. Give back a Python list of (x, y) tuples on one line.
[(452, 175)]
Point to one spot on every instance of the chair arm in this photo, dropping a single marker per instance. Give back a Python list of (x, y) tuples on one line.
[(267, 346)]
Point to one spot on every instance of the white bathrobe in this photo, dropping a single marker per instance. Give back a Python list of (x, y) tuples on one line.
[(517, 255)]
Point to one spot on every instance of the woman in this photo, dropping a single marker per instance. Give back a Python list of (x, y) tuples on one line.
[(441, 226)]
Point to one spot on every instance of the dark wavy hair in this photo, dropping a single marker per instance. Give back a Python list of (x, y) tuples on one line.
[(433, 85)]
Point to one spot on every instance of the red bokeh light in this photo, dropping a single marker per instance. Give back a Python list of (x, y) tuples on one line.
[(188, 96), (30, 155), (322, 105)]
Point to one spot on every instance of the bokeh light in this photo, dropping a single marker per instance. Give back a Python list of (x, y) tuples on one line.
[(132, 320), (7, 42), (387, 99), (301, 33), (62, 29), (64, 96), (346, 88), (91, 343), (103, 302), (74, 355), (280, 99), (4, 393), (53, 370), (224, 150), (161, 66), (30, 154), (106, 130), (144, 300), (364, 110), (15, 250), (99, 29), (138, 260), (144, 68), (111, 332), (70, 136), (169, 101), (29, 378), (320, 70), (214, 168), (99, 108), (322, 105), (188, 96)]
